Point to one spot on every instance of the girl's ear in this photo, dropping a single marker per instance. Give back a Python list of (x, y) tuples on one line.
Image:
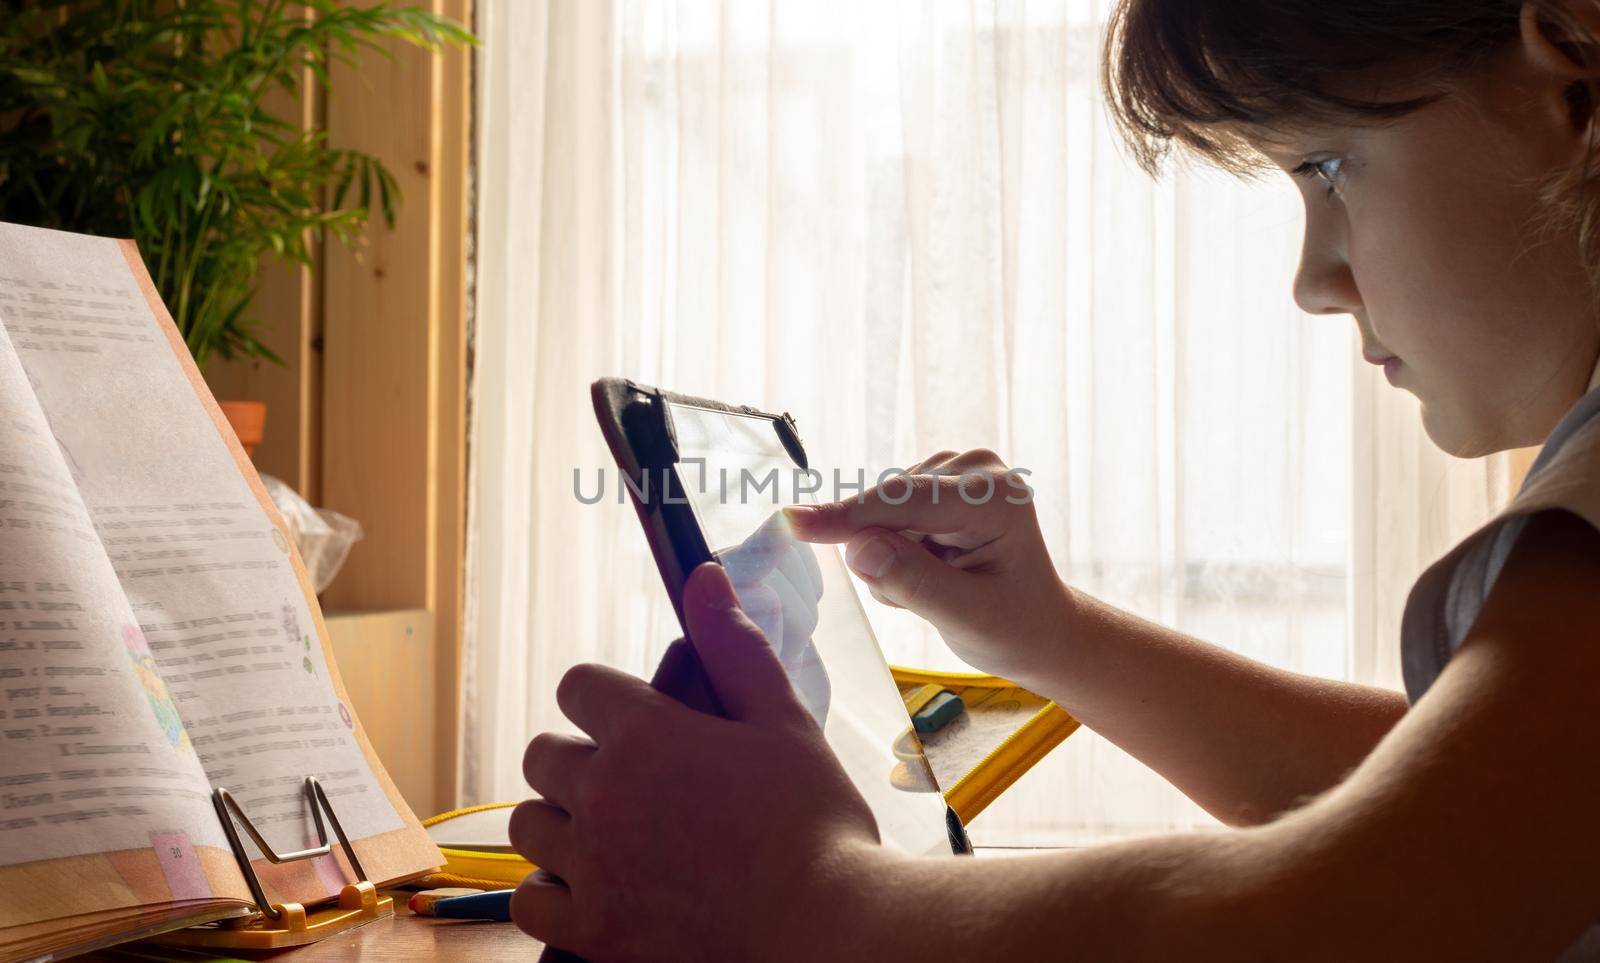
[(1563, 37), (1567, 44)]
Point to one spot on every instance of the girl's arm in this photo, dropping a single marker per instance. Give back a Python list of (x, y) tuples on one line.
[(1242, 739), (1468, 833)]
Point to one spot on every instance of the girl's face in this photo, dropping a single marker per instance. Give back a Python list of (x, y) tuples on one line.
[(1426, 230)]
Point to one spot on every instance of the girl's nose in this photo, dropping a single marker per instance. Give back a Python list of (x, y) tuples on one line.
[(1324, 283), (1326, 291)]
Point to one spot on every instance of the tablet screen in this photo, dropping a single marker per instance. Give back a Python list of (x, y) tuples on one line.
[(736, 474)]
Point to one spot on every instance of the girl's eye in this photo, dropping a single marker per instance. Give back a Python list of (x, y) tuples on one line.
[(1327, 168)]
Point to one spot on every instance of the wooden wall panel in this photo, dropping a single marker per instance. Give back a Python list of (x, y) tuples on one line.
[(382, 660), (377, 333), (453, 162), (394, 337)]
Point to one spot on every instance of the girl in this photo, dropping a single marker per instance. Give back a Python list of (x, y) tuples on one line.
[(1443, 150)]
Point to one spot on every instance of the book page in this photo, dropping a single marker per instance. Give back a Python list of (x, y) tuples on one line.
[(93, 755), (221, 598)]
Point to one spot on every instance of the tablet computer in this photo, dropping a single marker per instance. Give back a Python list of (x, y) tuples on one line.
[(707, 481)]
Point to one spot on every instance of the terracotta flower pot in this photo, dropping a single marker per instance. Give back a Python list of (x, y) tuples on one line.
[(249, 421)]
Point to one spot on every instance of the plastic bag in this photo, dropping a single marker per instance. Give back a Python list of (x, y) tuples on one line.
[(322, 535)]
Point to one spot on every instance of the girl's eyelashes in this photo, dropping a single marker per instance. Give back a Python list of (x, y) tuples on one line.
[(1321, 168)]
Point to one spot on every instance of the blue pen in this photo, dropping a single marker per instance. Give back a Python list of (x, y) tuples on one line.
[(494, 905)]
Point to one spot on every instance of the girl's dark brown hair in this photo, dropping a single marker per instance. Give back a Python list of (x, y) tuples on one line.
[(1219, 77), (1204, 73)]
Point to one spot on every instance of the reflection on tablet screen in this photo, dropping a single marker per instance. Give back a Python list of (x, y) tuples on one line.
[(737, 475)]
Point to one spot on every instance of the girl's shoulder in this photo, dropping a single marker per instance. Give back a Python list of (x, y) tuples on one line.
[(1447, 597)]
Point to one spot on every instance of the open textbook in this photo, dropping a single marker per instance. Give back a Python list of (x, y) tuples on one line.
[(158, 635)]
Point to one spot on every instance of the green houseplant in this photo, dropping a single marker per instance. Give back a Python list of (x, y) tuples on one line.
[(146, 119)]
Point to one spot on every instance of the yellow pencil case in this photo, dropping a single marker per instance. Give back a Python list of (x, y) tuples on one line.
[(483, 866), (1001, 733)]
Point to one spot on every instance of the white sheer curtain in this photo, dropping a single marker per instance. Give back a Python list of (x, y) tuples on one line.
[(910, 226)]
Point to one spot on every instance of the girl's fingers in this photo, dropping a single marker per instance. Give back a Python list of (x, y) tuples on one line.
[(927, 504), (542, 908), (886, 600), (936, 460), (601, 700), (555, 764), (542, 833), (907, 575)]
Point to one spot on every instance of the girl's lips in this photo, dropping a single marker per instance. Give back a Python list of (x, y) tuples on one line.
[(1390, 363)]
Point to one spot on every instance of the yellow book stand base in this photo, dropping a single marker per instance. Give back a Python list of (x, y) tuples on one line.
[(276, 925), (359, 904)]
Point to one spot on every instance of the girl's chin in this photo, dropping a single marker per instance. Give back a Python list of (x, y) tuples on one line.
[(1458, 437)]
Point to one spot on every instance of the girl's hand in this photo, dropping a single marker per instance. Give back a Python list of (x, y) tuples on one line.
[(657, 823), (958, 543)]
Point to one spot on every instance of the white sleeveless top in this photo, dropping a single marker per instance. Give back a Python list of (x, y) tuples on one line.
[(1447, 597)]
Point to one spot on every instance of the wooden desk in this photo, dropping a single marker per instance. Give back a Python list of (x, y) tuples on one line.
[(411, 937), (403, 937)]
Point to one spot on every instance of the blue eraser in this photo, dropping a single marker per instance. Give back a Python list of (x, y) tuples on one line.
[(938, 712)]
